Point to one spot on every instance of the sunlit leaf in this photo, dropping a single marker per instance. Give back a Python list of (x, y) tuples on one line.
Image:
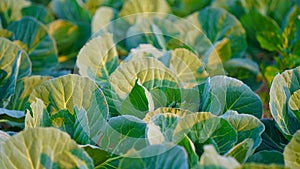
[(11, 10), (72, 103), (39, 12), (151, 72), (211, 158), (143, 8), (24, 87), (99, 21), (242, 151), (291, 152), (98, 58), (284, 86), (19, 152)]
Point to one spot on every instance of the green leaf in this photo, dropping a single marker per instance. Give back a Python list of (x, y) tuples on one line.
[(296, 2), (98, 155), (270, 73), (189, 147), (70, 10), (43, 2), (14, 65), (203, 128), (66, 35), (3, 74), (88, 127), (156, 157), (221, 24), (291, 32), (127, 132), (11, 120), (24, 87), (250, 22), (113, 3), (37, 42), (245, 70), (183, 8), (282, 89), (233, 6), (267, 157), (223, 49), (98, 58), (211, 158), (60, 30), (39, 12), (183, 33), (187, 99), (261, 166), (12, 115), (64, 120), (11, 11), (92, 5), (247, 127), (230, 94), (291, 152), (138, 103), (128, 126), (270, 41), (272, 8), (49, 154), (272, 138)]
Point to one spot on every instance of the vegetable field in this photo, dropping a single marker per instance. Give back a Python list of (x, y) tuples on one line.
[(153, 84)]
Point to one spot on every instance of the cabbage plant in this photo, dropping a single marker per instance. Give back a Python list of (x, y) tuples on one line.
[(147, 84)]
